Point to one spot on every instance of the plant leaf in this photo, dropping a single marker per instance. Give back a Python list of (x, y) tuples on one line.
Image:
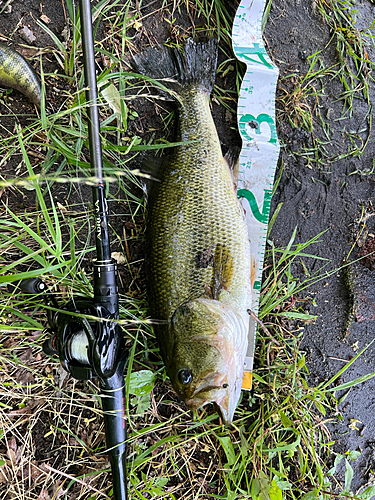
[(275, 492), (367, 493), (348, 475), (141, 382), (227, 445)]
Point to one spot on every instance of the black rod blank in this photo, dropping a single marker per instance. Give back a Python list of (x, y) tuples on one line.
[(105, 289), (92, 90), (95, 143)]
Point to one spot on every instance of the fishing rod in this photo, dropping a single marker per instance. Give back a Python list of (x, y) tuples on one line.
[(94, 346)]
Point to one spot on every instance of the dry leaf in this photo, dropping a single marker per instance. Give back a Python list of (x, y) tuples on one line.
[(113, 98), (43, 495), (27, 34), (3, 477), (74, 442), (118, 257), (353, 424), (61, 376), (32, 470), (62, 208), (57, 490), (24, 377), (10, 342), (22, 411), (12, 456), (27, 356), (355, 346), (12, 443), (45, 19)]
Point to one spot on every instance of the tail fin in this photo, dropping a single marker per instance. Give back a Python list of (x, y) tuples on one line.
[(196, 66)]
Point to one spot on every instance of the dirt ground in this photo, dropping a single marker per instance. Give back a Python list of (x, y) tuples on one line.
[(331, 196)]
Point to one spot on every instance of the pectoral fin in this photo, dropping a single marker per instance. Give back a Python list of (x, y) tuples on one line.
[(149, 171), (223, 269)]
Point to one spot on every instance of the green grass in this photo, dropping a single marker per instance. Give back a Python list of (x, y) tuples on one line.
[(304, 96), (279, 446)]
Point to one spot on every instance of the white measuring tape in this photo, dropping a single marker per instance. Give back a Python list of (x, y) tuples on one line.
[(260, 146)]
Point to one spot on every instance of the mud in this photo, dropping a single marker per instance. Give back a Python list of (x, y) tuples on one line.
[(320, 192), (331, 198)]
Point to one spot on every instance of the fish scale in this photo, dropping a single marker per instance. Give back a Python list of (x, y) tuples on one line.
[(194, 208), (16, 73)]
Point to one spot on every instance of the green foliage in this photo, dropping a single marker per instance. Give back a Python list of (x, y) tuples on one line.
[(302, 94), (355, 65), (278, 447), (140, 385)]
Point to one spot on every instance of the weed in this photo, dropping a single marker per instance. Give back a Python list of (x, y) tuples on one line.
[(52, 438), (302, 93)]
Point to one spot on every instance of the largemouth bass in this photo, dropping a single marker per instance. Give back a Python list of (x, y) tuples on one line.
[(16, 73), (198, 243)]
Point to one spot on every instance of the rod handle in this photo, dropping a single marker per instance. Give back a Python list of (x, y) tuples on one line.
[(113, 401)]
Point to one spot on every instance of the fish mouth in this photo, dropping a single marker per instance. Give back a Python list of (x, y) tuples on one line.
[(223, 387), (218, 393), (226, 406), (226, 413)]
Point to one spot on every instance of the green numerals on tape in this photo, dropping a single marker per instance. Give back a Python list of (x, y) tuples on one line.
[(261, 216), (255, 123), (256, 50)]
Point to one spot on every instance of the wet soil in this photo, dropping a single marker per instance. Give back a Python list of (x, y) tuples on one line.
[(334, 198), (329, 197)]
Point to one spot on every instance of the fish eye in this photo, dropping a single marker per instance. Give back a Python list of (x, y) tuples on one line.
[(185, 376)]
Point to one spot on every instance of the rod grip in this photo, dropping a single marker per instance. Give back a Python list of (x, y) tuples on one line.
[(113, 401), (105, 287)]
